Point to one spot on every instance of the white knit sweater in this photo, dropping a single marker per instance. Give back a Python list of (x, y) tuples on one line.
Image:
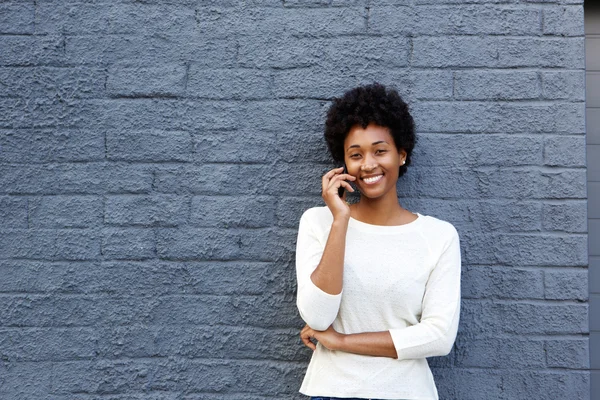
[(405, 279)]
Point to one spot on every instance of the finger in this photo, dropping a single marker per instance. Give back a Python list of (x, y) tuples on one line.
[(336, 184), (347, 186), (307, 342), (329, 175)]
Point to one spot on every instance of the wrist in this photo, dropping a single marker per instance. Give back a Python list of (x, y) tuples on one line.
[(341, 221), (340, 343)]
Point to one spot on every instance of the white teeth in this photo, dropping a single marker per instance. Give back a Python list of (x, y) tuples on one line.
[(373, 179)]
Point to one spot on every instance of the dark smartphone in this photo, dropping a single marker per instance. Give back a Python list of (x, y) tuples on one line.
[(341, 189)]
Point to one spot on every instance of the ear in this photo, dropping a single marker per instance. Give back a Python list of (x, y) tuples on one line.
[(401, 157)]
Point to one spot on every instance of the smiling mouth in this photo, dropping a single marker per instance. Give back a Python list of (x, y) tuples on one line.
[(372, 179)]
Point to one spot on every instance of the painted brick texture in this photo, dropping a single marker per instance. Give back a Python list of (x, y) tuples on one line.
[(155, 158)]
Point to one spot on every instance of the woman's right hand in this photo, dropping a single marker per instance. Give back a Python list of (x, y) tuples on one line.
[(331, 183)]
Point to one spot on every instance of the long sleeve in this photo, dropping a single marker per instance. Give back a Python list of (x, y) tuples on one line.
[(317, 308), (434, 335)]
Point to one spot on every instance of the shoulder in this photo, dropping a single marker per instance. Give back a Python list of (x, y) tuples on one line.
[(439, 228), (317, 216)]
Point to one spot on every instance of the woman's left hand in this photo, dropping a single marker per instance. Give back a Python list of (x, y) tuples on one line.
[(328, 338)]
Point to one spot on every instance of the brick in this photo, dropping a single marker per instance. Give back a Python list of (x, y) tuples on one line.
[(48, 311), (28, 276), (159, 114), (298, 145), (488, 317), (39, 113), (65, 211), (151, 145), (274, 114), (142, 18), (566, 284), (303, 3), (230, 342), (506, 215), (143, 210), (502, 283), (146, 277), (143, 81), (198, 244), (564, 21), (228, 212), (455, 20), (75, 178), (48, 344), (13, 212), (261, 51), (321, 83), (224, 244), (477, 150), (522, 249), (495, 52), (568, 184), (25, 379), (566, 217), (17, 18), (221, 179), (256, 311), (468, 384), (138, 50), (567, 353), (215, 22), (438, 182), (127, 341), (48, 145), (128, 243), (568, 85), (480, 117), (290, 209), (498, 352), (478, 85), (228, 83), (508, 183), (245, 145), (565, 151), (54, 17), (536, 385), (31, 50), (43, 244)]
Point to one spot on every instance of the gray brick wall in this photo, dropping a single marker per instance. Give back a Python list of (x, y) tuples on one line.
[(155, 158)]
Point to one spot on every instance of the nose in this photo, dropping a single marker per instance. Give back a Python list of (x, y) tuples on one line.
[(368, 167)]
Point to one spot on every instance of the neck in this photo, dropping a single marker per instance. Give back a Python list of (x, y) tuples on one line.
[(384, 210)]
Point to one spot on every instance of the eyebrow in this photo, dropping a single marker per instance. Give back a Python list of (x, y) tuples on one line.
[(372, 144)]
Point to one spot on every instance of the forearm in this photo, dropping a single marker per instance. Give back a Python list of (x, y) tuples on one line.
[(328, 276), (368, 343)]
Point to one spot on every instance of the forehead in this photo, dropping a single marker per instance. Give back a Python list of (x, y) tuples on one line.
[(366, 136)]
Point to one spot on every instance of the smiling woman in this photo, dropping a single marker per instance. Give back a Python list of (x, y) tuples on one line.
[(378, 285)]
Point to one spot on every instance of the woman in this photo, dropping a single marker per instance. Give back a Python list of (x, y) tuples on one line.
[(378, 285)]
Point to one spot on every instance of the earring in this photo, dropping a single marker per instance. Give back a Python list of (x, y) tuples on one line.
[(403, 161)]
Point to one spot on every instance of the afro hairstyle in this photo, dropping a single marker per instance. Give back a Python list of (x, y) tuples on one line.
[(368, 104)]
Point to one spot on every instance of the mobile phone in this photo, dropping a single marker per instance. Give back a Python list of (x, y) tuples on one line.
[(341, 189)]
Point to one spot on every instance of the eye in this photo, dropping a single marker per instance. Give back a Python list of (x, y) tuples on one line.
[(355, 155), (380, 151)]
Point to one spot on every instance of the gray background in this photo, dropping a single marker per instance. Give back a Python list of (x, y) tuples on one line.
[(592, 66), (156, 156)]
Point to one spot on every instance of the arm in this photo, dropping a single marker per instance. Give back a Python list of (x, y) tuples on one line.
[(319, 268), (433, 336), (378, 344)]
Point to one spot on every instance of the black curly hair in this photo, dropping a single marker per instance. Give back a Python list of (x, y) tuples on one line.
[(370, 104)]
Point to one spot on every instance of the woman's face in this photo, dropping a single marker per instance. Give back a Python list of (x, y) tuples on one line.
[(372, 157)]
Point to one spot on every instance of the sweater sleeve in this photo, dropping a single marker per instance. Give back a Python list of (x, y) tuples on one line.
[(435, 333), (317, 308)]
